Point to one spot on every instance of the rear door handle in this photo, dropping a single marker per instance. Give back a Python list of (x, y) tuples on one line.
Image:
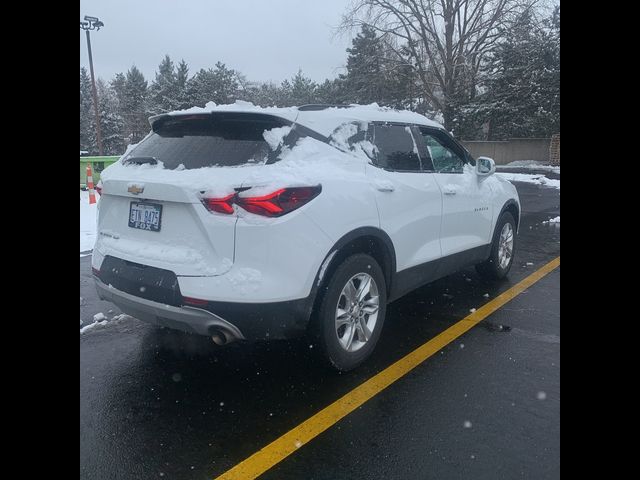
[(450, 192)]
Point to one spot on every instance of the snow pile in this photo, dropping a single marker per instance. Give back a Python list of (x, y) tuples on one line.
[(322, 121), (150, 250), (87, 222), (275, 136), (93, 325), (536, 179), (530, 165), (553, 220)]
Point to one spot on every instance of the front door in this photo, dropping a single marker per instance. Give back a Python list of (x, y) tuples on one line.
[(467, 210)]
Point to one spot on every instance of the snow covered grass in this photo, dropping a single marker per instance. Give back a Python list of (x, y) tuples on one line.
[(529, 165), (87, 222), (537, 179), (553, 220)]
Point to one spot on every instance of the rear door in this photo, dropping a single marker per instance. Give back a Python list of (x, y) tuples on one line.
[(152, 210), (466, 198), (407, 196)]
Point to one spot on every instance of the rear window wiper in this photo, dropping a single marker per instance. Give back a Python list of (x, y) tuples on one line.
[(140, 160)]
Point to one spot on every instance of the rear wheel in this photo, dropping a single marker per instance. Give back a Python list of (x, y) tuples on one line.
[(351, 313), (502, 249)]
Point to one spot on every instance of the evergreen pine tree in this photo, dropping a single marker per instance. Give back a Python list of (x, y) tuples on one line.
[(522, 98), (164, 91), (87, 117), (182, 77), (111, 123), (219, 85), (303, 90), (134, 105)]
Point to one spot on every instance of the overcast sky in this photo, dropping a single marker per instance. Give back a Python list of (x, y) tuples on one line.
[(263, 39)]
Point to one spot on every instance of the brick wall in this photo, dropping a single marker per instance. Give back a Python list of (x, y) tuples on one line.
[(554, 150)]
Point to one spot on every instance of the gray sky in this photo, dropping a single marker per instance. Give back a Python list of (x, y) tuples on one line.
[(263, 39)]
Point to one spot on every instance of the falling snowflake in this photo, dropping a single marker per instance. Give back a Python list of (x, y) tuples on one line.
[(541, 396), (467, 424)]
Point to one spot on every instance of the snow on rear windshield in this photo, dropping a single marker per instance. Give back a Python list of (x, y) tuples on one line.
[(222, 140)]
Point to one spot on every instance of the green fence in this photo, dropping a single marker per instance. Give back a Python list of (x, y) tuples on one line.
[(97, 165)]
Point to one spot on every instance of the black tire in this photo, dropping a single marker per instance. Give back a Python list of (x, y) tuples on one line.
[(491, 268), (324, 321)]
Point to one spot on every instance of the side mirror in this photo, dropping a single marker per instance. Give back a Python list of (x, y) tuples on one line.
[(485, 166)]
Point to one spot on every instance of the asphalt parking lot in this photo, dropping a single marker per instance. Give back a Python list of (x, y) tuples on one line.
[(161, 404)]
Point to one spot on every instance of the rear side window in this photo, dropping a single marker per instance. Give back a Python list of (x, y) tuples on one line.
[(396, 149), (220, 140)]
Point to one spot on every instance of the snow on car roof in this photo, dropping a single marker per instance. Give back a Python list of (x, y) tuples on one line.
[(324, 120)]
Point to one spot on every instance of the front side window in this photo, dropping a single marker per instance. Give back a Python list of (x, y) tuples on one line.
[(396, 149), (446, 156)]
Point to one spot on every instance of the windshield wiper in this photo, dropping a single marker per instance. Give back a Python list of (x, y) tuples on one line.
[(140, 160)]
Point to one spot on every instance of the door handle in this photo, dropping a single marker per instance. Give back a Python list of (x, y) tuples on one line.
[(450, 192), (384, 186)]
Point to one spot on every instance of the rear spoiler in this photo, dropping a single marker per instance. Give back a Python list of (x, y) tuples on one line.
[(156, 121)]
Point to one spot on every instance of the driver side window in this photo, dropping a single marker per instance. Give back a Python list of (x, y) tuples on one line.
[(445, 160)]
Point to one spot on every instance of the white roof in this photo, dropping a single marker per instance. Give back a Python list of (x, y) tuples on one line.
[(323, 121)]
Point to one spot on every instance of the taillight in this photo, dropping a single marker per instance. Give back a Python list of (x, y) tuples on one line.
[(95, 271), (274, 204), (99, 187), (280, 202), (220, 205)]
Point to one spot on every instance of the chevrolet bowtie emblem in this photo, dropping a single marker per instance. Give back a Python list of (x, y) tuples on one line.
[(135, 189)]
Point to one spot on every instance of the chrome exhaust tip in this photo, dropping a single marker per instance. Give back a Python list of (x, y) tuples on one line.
[(218, 337)]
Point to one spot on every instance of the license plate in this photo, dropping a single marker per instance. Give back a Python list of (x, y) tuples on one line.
[(145, 216)]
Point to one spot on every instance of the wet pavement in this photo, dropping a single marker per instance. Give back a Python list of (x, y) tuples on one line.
[(161, 404)]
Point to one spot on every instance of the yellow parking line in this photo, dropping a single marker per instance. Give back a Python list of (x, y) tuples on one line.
[(281, 448)]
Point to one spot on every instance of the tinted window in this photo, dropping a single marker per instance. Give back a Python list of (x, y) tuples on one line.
[(445, 154), (396, 149), (206, 141)]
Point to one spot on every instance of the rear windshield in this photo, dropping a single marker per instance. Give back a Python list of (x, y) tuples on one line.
[(224, 140)]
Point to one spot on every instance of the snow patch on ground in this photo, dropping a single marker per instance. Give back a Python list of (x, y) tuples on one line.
[(553, 220), (93, 325), (537, 179), (88, 215), (530, 165)]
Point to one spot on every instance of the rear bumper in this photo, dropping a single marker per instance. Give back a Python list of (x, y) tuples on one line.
[(238, 321), (188, 319)]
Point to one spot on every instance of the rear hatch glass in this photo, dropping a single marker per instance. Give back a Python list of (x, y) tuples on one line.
[(217, 140)]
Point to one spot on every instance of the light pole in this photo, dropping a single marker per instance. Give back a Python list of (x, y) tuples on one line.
[(92, 23)]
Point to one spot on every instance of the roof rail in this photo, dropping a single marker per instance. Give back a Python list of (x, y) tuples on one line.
[(320, 106)]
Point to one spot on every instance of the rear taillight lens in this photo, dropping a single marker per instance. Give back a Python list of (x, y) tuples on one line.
[(280, 202), (95, 271), (99, 187), (274, 204), (220, 205)]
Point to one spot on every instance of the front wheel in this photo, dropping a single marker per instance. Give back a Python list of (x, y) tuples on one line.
[(351, 313), (502, 249)]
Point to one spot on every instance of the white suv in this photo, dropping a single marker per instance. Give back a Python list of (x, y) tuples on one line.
[(240, 222)]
